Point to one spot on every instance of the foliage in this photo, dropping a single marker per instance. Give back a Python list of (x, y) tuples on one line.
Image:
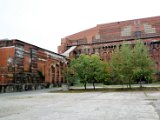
[(130, 63), (121, 64), (143, 64), (89, 69), (68, 74)]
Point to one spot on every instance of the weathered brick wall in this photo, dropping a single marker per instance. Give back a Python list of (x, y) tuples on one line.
[(28, 58), (104, 38), (116, 31), (5, 53)]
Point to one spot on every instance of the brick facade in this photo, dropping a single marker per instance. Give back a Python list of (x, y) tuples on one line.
[(104, 38), (20, 57)]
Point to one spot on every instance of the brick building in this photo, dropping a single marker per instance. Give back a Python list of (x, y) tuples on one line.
[(24, 63), (103, 38)]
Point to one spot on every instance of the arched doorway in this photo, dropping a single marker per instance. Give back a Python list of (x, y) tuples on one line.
[(56, 77), (52, 77)]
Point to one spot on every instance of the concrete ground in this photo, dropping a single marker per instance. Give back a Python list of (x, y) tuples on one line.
[(41, 105)]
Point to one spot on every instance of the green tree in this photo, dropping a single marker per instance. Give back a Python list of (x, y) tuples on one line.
[(89, 69), (121, 65), (97, 69), (68, 74), (80, 67), (143, 64), (129, 63)]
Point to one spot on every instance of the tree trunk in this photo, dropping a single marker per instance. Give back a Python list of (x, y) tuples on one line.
[(130, 84), (122, 85), (140, 82), (94, 85), (85, 86)]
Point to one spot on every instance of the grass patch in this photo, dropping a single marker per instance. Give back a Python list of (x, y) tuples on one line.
[(152, 99), (88, 84), (109, 90)]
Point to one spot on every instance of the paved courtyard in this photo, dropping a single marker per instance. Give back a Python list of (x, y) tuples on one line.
[(41, 105)]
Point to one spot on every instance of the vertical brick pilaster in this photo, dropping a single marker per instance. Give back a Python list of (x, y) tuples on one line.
[(60, 73), (55, 76)]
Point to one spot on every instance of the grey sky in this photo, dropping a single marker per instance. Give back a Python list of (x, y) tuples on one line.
[(45, 22)]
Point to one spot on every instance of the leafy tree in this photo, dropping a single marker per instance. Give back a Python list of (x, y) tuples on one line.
[(121, 65), (68, 74), (97, 70), (143, 64), (88, 69), (80, 67), (130, 63), (127, 63)]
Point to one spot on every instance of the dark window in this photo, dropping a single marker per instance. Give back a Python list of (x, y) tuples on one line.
[(87, 51), (81, 41), (19, 51), (74, 42), (96, 40), (153, 45), (93, 50), (138, 34)]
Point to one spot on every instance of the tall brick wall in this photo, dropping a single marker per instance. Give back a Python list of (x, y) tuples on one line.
[(5, 53), (104, 38), (30, 60), (116, 31)]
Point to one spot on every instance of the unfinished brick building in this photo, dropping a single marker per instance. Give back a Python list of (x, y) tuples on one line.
[(26, 66), (104, 38)]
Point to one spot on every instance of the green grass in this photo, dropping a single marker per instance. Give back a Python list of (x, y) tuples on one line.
[(89, 84), (109, 90)]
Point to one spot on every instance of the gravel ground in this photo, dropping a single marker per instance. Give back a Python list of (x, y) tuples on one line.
[(41, 105)]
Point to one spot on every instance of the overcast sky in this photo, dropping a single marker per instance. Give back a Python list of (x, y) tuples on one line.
[(45, 22)]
